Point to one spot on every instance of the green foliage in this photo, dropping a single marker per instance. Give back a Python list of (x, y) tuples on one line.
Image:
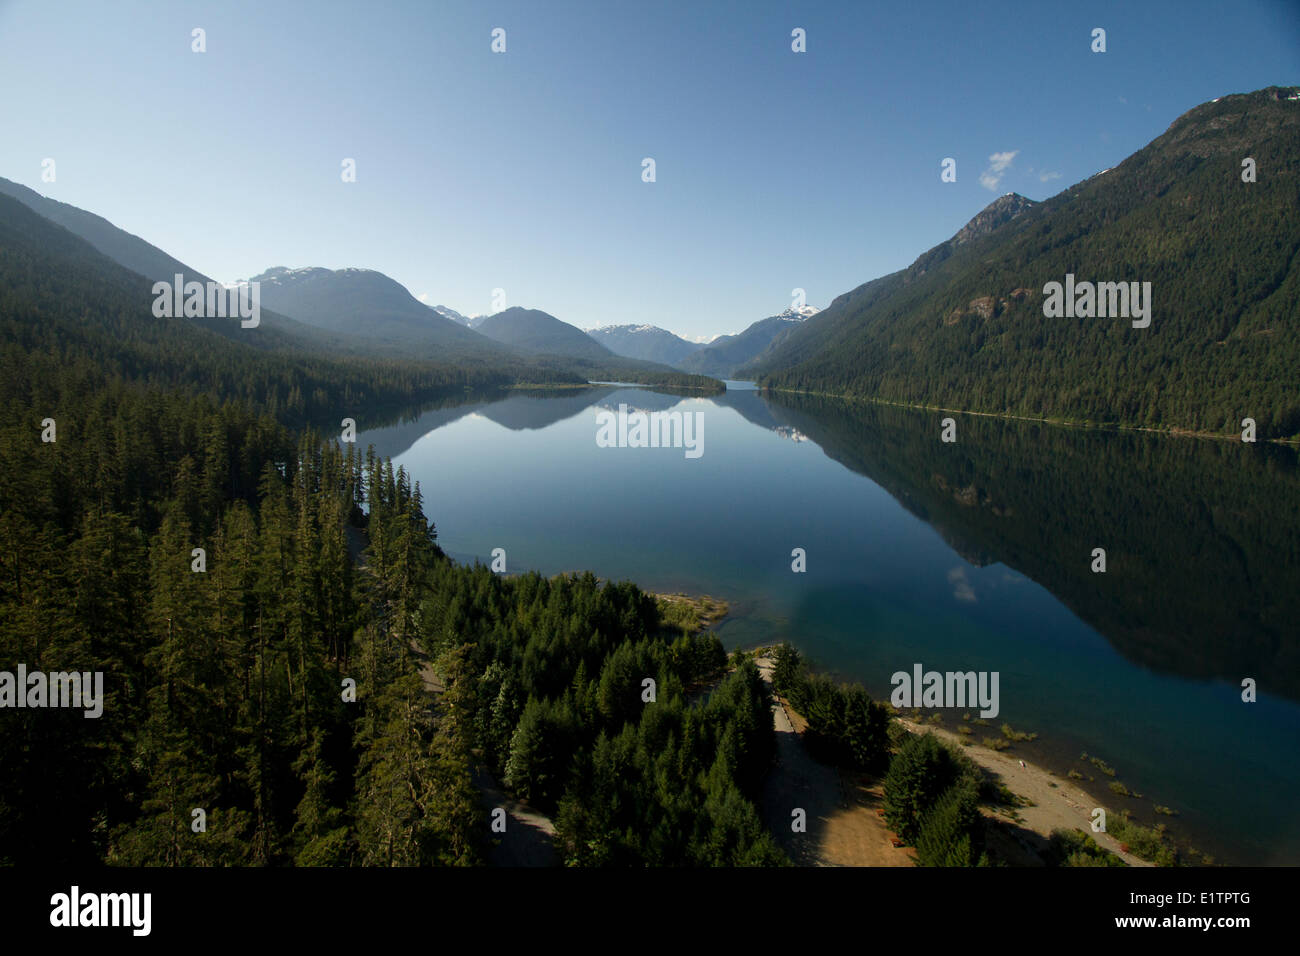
[(676, 786), (787, 670), (921, 771), (222, 688), (630, 782), (951, 832), (1102, 766), (1221, 256), (1149, 844), (844, 725), (1076, 848), (1015, 735)]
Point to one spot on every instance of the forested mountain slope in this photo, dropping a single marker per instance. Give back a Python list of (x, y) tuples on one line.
[(964, 326), (118, 244)]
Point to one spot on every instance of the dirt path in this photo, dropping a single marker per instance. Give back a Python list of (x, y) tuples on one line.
[(529, 838), (843, 826)]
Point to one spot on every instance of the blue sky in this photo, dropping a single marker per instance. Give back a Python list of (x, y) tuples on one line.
[(522, 170)]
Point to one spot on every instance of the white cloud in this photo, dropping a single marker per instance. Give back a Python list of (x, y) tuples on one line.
[(423, 297), (999, 163), (961, 588), (1044, 177)]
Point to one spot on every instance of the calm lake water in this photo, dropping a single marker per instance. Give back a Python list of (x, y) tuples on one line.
[(974, 555)]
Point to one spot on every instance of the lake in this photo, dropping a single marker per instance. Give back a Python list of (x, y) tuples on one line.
[(972, 555)]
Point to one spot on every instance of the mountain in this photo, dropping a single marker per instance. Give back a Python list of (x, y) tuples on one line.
[(354, 314), (964, 327), (72, 319), (549, 343), (469, 321), (120, 246), (153, 264), (137, 262), (648, 342), (452, 314), (727, 353), (370, 305), (536, 331)]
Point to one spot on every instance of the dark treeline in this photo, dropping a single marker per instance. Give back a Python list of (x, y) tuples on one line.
[(224, 687), (626, 370), (80, 325), (932, 797), (552, 675), (845, 726)]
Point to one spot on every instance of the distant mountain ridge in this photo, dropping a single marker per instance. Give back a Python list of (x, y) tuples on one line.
[(647, 342), (538, 331), (726, 354), (348, 312), (449, 313), (366, 303)]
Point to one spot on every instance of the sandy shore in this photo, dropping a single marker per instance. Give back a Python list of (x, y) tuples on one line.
[(1058, 803), (845, 829)]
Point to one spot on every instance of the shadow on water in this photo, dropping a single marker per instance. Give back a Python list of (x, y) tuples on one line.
[(1202, 537)]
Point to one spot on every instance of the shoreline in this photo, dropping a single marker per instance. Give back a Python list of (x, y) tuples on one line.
[(851, 832), (1058, 422), (1058, 800)]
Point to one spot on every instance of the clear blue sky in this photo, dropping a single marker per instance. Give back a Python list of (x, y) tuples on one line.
[(522, 170)]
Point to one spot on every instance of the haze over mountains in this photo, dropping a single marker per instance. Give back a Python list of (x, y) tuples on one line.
[(452, 314), (727, 353), (719, 357), (647, 342), (363, 302), (357, 311), (962, 327), (120, 246), (538, 331)]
